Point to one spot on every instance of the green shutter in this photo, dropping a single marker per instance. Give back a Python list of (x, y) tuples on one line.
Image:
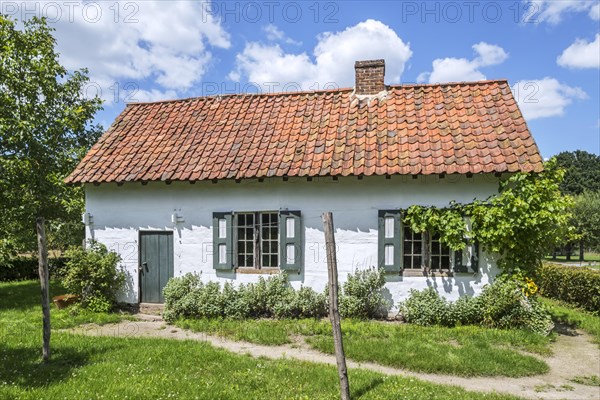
[(462, 262), (475, 257), (393, 241), (291, 248), (459, 265), (222, 241)]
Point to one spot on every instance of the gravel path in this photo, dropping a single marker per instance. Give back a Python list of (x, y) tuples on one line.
[(573, 355)]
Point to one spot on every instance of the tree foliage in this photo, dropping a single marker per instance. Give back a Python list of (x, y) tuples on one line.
[(582, 171), (586, 219), (45, 128), (521, 223)]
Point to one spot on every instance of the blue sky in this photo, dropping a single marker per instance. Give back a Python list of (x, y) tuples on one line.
[(144, 50)]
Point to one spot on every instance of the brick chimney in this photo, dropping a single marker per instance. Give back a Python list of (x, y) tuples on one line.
[(369, 76)]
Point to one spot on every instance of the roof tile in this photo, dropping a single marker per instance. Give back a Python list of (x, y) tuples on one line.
[(416, 129)]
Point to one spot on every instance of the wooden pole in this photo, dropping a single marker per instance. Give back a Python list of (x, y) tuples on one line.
[(334, 314), (43, 272)]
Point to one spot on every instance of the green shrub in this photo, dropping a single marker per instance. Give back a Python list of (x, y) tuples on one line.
[(361, 295), (503, 304), (93, 274), (174, 292), (235, 304), (427, 307), (576, 285), (309, 303), (189, 297)]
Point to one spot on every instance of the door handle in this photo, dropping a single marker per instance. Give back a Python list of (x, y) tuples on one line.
[(141, 268)]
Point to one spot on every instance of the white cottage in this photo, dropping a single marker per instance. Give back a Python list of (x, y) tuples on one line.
[(234, 186)]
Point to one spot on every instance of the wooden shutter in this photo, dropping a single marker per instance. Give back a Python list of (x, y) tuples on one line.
[(467, 260), (390, 240), (222, 241), (291, 249), (475, 257)]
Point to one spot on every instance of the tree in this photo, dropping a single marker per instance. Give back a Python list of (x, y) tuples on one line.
[(582, 171), (45, 128), (586, 220)]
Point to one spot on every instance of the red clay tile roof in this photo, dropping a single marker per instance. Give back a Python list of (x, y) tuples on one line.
[(415, 129)]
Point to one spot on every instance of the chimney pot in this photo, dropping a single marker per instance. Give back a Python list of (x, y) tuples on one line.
[(369, 76)]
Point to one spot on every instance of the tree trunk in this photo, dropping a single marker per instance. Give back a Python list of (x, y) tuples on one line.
[(43, 272), (334, 314), (581, 250), (569, 248)]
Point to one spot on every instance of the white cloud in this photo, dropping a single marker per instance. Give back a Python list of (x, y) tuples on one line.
[(595, 12), (460, 69), (553, 11), (151, 95), (334, 57), (275, 34), (489, 54), (547, 97), (581, 54), (165, 44)]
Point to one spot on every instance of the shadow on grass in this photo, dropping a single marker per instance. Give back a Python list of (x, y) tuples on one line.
[(565, 329), (367, 388), (23, 366)]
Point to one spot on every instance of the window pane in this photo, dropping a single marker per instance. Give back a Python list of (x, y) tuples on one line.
[(417, 247), (445, 262), (417, 261), (389, 227)]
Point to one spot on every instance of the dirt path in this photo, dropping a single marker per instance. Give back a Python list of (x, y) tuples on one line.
[(574, 355)]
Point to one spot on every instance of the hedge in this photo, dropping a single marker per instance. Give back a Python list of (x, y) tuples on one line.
[(579, 286), (25, 268)]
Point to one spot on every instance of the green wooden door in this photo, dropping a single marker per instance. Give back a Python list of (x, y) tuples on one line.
[(156, 264)]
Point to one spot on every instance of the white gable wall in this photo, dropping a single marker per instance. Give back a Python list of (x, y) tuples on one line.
[(120, 212)]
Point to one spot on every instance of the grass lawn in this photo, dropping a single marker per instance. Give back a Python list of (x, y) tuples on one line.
[(466, 351), (587, 257), (110, 367), (569, 315)]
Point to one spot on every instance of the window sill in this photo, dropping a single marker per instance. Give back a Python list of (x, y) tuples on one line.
[(426, 274), (257, 271)]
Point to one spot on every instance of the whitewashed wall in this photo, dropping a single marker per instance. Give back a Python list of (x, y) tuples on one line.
[(119, 212)]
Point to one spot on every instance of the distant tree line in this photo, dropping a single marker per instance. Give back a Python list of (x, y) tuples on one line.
[(582, 181)]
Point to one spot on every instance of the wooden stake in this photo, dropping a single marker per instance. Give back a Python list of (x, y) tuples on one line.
[(334, 314), (43, 272)]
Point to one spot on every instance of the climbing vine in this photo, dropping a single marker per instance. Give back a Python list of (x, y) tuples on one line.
[(448, 222), (521, 223)]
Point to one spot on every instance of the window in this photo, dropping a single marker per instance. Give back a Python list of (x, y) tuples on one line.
[(402, 249), (256, 240), (417, 245)]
